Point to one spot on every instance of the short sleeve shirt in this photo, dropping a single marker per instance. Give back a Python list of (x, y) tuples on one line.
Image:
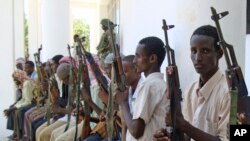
[(150, 104)]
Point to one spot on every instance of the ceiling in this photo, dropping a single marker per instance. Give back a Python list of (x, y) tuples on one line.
[(104, 2)]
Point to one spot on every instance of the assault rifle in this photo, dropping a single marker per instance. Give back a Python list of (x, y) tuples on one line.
[(102, 81), (71, 85), (120, 78), (83, 77), (41, 78), (53, 85), (240, 102), (173, 85), (53, 91)]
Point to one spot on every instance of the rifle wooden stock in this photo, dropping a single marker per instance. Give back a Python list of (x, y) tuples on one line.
[(96, 70), (72, 79), (86, 84), (83, 76), (42, 77), (54, 89), (173, 85), (120, 78), (235, 78)]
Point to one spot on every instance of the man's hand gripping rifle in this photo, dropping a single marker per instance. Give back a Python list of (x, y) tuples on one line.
[(173, 85)]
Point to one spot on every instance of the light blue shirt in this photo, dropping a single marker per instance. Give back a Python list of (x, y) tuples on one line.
[(34, 76), (132, 96)]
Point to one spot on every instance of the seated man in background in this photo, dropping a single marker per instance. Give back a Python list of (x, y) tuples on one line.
[(27, 86)]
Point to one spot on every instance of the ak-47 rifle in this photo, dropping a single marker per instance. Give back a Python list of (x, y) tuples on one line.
[(53, 93), (120, 80), (83, 77), (72, 79), (41, 77), (102, 81), (173, 85), (240, 102), (54, 89)]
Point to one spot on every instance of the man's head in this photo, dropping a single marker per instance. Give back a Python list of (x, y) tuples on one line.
[(107, 63), (29, 67), (55, 62), (149, 54), (75, 37), (63, 72), (205, 51), (104, 23), (20, 63), (132, 76)]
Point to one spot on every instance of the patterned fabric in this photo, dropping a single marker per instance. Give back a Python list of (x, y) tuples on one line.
[(20, 76), (67, 59), (30, 116)]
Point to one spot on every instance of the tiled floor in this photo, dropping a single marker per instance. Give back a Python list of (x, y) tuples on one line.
[(3, 135), (3, 131)]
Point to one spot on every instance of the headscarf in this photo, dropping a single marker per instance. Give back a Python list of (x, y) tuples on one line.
[(63, 70), (20, 76), (67, 59), (20, 60), (109, 58), (105, 22)]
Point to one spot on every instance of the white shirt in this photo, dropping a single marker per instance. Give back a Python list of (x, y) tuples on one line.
[(151, 105), (208, 108), (131, 97)]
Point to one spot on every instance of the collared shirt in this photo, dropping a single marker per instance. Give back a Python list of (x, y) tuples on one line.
[(131, 97), (207, 108), (150, 104)]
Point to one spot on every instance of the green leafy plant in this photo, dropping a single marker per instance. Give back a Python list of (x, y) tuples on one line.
[(26, 38), (82, 29)]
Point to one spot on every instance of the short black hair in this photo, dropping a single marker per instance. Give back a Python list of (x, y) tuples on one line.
[(30, 63), (57, 58), (210, 31), (129, 59), (154, 45)]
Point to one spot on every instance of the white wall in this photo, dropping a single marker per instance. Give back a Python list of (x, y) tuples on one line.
[(143, 18), (10, 35)]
